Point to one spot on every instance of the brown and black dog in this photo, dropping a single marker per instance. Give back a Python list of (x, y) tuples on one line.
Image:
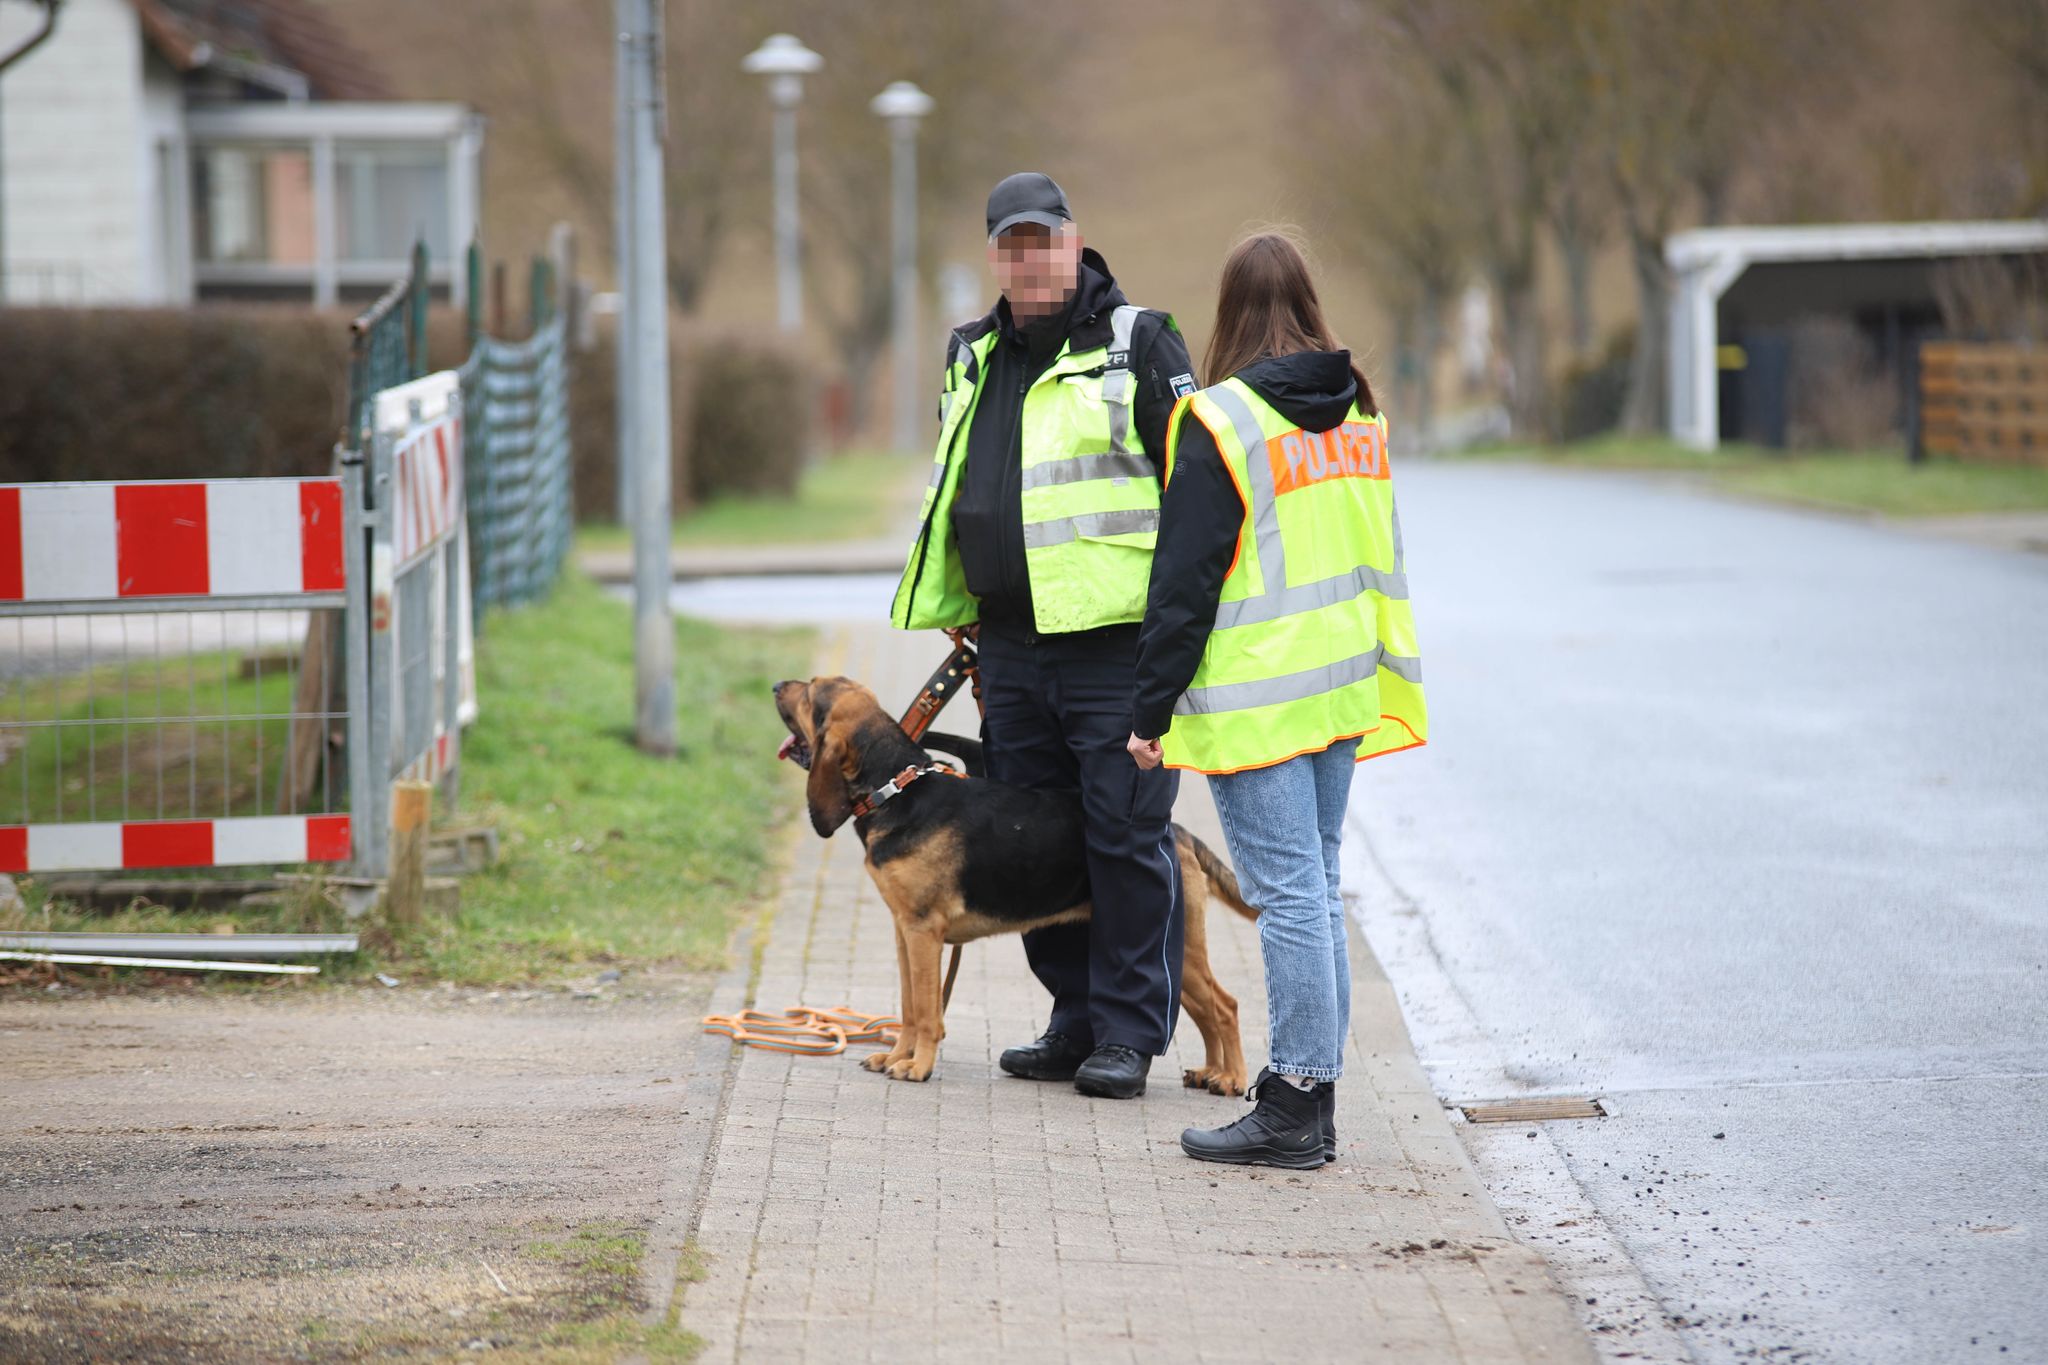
[(957, 859)]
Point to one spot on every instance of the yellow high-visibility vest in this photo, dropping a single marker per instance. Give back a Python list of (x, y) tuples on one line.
[(1314, 641), (1090, 495)]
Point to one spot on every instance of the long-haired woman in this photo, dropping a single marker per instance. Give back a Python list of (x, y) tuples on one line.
[(1277, 651)]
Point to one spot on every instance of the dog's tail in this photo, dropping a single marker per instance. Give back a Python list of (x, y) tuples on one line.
[(968, 751), (1217, 871)]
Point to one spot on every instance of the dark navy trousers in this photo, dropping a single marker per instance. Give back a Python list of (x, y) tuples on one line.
[(1057, 714)]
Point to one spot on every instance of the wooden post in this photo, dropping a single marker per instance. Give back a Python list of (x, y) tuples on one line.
[(319, 689), (405, 891)]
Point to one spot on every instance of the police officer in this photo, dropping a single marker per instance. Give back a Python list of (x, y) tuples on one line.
[(1039, 525)]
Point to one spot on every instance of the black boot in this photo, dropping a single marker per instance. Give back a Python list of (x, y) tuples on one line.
[(1285, 1130), (1054, 1057), (1113, 1072), (1326, 1106)]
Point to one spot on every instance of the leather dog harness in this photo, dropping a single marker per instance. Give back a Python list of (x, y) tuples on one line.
[(893, 788), (961, 664)]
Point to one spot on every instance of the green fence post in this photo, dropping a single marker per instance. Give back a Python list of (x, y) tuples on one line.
[(473, 264), (416, 318)]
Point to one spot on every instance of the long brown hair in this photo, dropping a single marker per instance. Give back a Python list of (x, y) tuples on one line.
[(1267, 306)]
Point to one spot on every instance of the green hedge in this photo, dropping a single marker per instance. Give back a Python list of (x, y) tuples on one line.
[(217, 392), (234, 392), (742, 408)]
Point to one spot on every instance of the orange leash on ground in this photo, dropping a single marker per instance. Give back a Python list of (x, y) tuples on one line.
[(805, 1031), (808, 1032)]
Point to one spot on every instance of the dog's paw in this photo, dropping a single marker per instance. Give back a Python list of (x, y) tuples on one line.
[(877, 1061), (909, 1069), (1212, 1080)]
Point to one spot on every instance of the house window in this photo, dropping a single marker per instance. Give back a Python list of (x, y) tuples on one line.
[(296, 199), (253, 204), (389, 195)]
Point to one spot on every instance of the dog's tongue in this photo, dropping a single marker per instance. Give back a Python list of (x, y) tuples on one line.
[(787, 744)]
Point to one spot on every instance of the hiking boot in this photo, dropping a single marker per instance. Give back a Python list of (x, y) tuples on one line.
[(1113, 1072), (1285, 1130), (1054, 1057)]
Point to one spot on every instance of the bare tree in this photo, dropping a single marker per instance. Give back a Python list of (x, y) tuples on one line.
[(1580, 214), (1391, 173), (1510, 79), (1681, 90), (981, 61), (558, 58), (2016, 32)]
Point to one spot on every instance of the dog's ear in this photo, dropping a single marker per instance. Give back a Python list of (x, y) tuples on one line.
[(832, 770)]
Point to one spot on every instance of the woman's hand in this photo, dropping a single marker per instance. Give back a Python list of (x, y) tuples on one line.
[(1144, 752)]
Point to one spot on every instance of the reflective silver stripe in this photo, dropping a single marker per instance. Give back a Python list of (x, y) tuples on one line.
[(1271, 606), (1082, 468), (1060, 530), (1265, 506), (1117, 383), (1309, 682)]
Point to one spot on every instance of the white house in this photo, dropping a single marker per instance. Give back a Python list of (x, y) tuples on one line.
[(165, 151)]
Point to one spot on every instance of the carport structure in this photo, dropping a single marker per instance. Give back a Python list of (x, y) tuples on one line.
[(1730, 284)]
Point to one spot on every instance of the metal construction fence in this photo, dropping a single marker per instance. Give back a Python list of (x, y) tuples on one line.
[(515, 397), (420, 677), (516, 411), (155, 710), (215, 673)]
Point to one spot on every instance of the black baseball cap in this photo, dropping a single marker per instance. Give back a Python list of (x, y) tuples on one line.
[(1026, 197)]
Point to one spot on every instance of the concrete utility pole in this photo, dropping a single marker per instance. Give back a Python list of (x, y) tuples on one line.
[(902, 105), (622, 255), (644, 317), (785, 62)]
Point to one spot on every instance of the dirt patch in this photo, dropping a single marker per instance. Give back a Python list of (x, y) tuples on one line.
[(334, 1173)]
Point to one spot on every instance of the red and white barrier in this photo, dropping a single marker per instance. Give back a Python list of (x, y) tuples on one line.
[(217, 538), (174, 843), (424, 418), (427, 495)]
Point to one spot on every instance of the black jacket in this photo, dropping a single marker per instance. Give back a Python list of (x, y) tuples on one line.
[(1199, 521), (988, 510)]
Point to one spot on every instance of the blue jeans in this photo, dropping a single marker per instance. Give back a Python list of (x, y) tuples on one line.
[(1283, 825)]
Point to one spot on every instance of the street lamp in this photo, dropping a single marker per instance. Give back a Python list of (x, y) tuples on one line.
[(785, 62), (902, 105)]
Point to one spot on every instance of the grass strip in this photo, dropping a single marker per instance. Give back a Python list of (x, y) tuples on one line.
[(846, 497), (1884, 482), (608, 855)]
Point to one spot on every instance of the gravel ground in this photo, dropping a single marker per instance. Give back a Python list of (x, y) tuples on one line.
[(330, 1173)]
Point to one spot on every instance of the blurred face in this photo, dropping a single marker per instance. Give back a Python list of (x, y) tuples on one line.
[(1036, 268)]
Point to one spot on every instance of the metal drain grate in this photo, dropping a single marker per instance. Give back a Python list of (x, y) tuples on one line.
[(1535, 1110)]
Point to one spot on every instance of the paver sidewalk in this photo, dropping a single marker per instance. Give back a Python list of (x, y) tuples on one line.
[(847, 1217)]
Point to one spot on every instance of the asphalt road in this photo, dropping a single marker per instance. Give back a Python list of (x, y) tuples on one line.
[(1736, 817)]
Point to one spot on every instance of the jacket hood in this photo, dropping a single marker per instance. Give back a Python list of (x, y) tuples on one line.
[(1312, 389)]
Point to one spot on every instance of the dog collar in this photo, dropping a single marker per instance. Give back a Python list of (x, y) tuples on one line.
[(893, 788)]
